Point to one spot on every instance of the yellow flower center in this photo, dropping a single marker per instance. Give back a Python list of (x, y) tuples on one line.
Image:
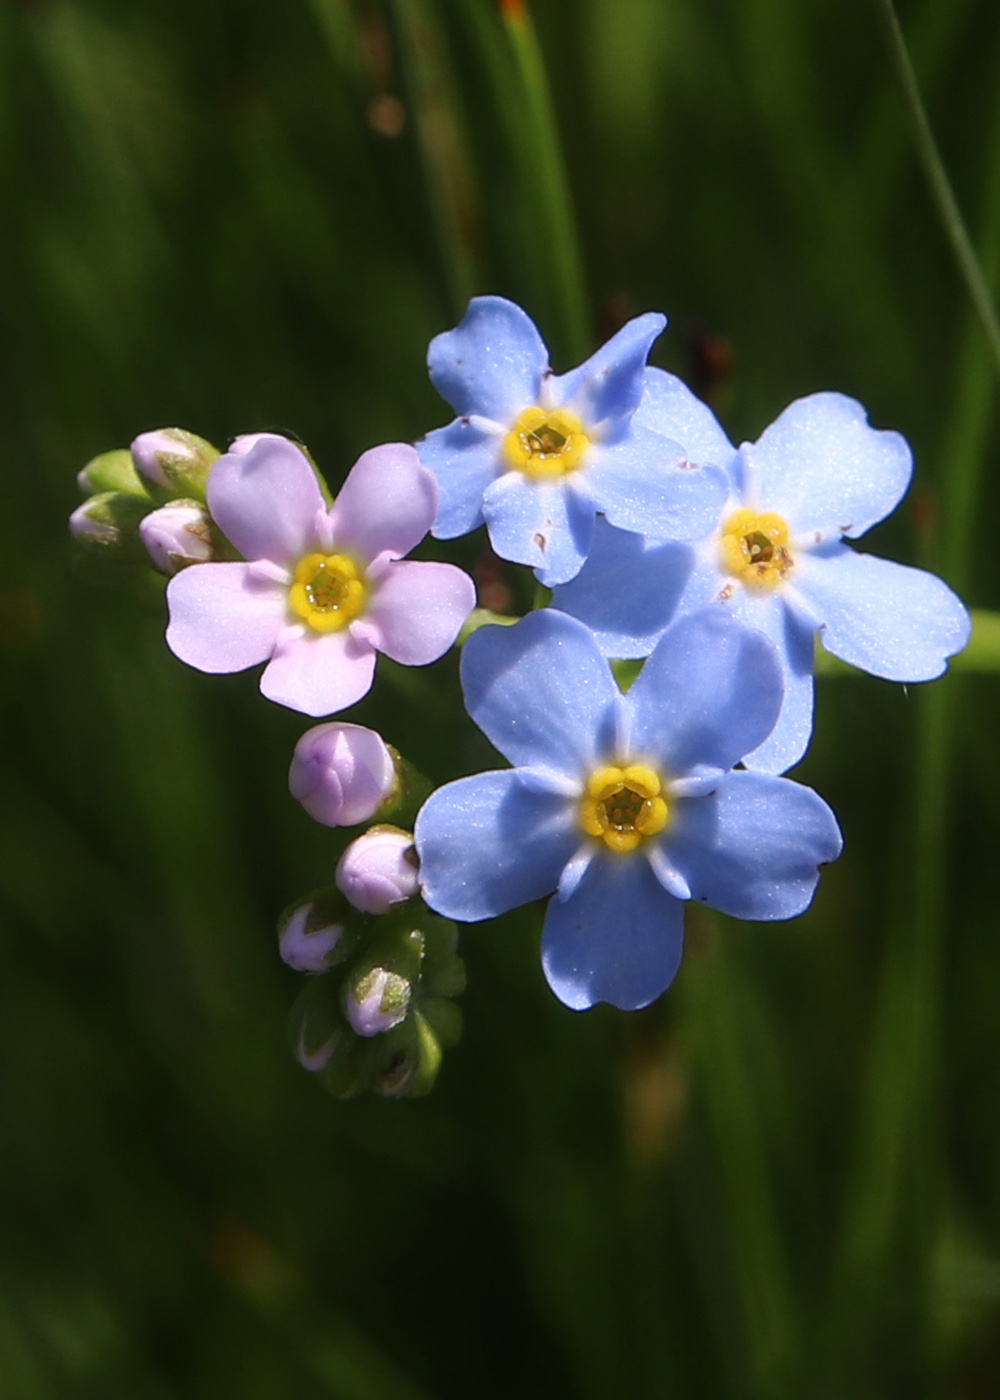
[(546, 443), (755, 548), (327, 592), (623, 805)]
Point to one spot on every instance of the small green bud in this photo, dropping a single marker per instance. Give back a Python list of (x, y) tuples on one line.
[(405, 1062), (173, 462), (108, 525), (111, 471), (316, 1028)]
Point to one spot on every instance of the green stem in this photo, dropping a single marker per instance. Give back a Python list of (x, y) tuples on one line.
[(941, 191), (547, 184)]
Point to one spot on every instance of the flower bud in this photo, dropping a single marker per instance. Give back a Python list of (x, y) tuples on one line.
[(341, 773), (314, 935), (108, 524), (111, 471), (405, 1064), (316, 1028), (178, 534), (377, 1001), (378, 870), (173, 462)]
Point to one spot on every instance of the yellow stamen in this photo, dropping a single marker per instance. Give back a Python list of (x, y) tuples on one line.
[(327, 592), (546, 443), (755, 548), (623, 805)]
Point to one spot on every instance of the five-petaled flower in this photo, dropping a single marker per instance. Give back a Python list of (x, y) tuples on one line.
[(321, 589), (537, 455), (625, 805), (777, 560)]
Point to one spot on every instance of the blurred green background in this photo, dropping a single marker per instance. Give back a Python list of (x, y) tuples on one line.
[(784, 1179)]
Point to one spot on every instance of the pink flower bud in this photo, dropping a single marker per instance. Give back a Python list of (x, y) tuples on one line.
[(304, 948), (173, 462), (178, 534), (377, 1002), (341, 773), (378, 870)]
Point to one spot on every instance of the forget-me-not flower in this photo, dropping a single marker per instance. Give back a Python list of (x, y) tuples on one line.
[(322, 589), (777, 560), (625, 805), (536, 455)]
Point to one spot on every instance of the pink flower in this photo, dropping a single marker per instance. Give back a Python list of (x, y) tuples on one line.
[(322, 589)]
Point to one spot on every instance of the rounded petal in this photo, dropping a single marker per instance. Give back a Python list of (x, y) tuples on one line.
[(387, 503), (619, 938), (491, 842), (820, 465), (794, 636), (223, 617), (646, 483), (893, 621), (265, 500), (609, 386), (669, 408), (319, 674), (419, 610), (754, 848), (492, 363), (465, 459), (541, 692), (628, 590), (541, 523), (709, 694)]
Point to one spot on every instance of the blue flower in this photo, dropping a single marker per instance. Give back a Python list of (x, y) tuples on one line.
[(625, 805), (777, 561), (536, 455)]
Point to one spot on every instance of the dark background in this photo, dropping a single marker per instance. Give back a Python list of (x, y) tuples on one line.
[(783, 1179)]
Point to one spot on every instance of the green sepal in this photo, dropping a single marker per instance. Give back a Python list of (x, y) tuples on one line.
[(112, 471), (113, 526)]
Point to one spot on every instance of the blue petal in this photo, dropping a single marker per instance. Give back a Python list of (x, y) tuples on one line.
[(491, 842), (753, 849), (542, 693), (609, 386), (646, 483), (492, 363), (821, 466), (895, 622), (619, 938), (710, 692), (546, 524), (628, 590), (794, 636), (669, 408), (465, 458)]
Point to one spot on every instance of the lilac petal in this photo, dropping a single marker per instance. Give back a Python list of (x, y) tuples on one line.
[(709, 693), (492, 363), (893, 621), (619, 938), (793, 635), (265, 501), (646, 483), (491, 842), (465, 458), (387, 503), (821, 466), (754, 848), (419, 610), (669, 408), (224, 617), (609, 385), (542, 693), (319, 673), (628, 590), (542, 523)]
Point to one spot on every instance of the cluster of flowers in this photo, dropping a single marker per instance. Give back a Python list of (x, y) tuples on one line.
[(661, 541)]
